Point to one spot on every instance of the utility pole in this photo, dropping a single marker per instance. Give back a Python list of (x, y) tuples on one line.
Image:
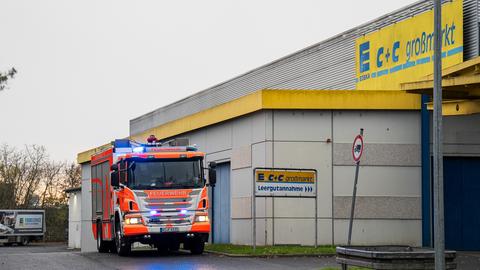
[(438, 212)]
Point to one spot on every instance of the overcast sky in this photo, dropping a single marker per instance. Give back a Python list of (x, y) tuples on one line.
[(85, 68)]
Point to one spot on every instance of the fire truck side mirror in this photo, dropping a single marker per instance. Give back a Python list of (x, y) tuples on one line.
[(114, 178), (212, 173), (114, 167)]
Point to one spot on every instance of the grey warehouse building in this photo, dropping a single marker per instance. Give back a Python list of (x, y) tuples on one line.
[(304, 110)]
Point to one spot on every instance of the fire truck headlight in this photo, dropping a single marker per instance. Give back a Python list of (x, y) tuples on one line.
[(201, 218), (133, 221)]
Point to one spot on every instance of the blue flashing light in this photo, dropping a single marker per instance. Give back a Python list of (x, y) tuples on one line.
[(183, 211), (153, 212), (138, 149)]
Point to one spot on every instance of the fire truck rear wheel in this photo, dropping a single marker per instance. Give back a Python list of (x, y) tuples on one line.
[(102, 246), (197, 246)]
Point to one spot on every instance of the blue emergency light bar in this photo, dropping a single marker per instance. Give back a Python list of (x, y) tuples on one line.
[(128, 146)]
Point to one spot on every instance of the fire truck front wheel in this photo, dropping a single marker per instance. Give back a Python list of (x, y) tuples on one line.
[(121, 243), (197, 246)]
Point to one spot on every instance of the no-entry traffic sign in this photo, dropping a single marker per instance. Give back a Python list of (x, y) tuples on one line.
[(357, 148)]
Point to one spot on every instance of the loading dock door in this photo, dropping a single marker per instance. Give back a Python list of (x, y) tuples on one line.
[(221, 216), (462, 203)]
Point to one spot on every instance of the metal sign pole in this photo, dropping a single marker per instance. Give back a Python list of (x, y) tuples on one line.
[(439, 234), (273, 220), (316, 210), (354, 196), (254, 220)]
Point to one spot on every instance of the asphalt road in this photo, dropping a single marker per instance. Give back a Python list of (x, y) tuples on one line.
[(56, 256)]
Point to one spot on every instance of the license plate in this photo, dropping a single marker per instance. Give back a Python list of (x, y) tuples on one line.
[(169, 229)]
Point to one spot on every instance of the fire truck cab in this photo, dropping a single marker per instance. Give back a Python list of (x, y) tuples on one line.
[(153, 193)]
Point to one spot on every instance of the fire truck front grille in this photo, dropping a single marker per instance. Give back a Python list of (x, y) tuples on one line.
[(169, 220), (168, 203)]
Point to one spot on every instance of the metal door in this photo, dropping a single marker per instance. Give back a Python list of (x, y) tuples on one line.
[(462, 203), (221, 207)]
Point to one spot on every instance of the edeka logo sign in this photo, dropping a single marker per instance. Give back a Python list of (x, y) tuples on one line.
[(403, 52)]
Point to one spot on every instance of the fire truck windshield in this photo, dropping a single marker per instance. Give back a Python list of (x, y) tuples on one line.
[(165, 174)]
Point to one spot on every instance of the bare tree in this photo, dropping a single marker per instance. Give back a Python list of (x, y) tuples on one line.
[(73, 175), (51, 181), (28, 178), (21, 172), (57, 178)]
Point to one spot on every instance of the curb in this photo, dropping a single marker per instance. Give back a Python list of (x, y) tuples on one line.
[(268, 255)]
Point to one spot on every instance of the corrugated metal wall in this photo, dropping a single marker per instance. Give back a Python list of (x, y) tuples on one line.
[(329, 64)]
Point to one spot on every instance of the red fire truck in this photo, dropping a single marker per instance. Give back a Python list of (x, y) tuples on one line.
[(153, 193)]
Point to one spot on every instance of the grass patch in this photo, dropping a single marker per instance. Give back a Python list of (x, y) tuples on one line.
[(270, 250)]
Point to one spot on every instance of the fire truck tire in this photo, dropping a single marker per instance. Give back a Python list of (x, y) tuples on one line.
[(102, 246), (113, 246), (174, 246), (197, 246), (122, 245), (162, 249)]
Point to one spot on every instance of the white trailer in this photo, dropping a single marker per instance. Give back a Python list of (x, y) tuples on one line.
[(21, 226)]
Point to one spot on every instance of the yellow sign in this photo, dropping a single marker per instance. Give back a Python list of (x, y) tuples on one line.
[(285, 182), (403, 51), (285, 176)]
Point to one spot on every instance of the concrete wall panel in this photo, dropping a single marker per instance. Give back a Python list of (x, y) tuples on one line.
[(393, 127), (262, 154), (461, 150), (259, 126), (242, 130), (461, 135), (374, 181), (263, 207), (219, 137), (461, 129), (302, 125), (242, 207), (241, 231), (380, 232), (324, 236), (295, 231), (379, 207), (242, 157), (294, 208), (220, 156), (379, 154), (241, 182)]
